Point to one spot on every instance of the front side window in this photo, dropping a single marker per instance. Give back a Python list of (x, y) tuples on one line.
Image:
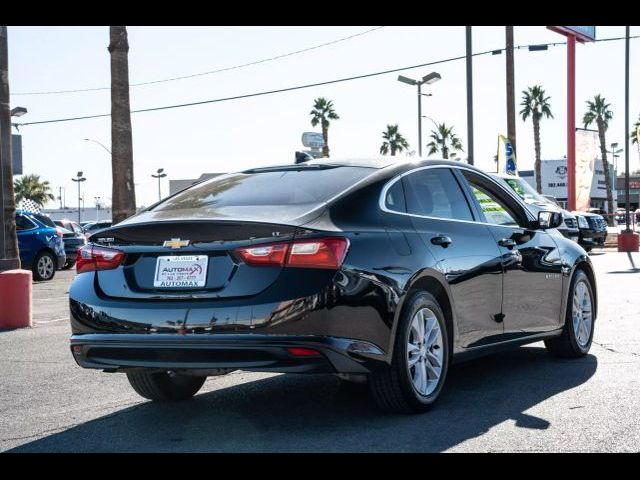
[(495, 211), (434, 192)]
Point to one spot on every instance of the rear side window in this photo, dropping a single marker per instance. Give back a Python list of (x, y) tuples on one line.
[(394, 199), (435, 192), (268, 187)]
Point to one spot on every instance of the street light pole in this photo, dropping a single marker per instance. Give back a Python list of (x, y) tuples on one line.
[(160, 174), (79, 179), (428, 79), (96, 141)]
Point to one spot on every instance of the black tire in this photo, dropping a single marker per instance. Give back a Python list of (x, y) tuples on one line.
[(392, 387), (39, 274), (163, 386), (68, 265), (587, 248), (567, 345)]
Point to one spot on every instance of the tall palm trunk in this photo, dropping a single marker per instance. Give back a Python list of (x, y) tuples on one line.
[(393, 150), (325, 136), (605, 168), (536, 145), (9, 258), (124, 194), (445, 151)]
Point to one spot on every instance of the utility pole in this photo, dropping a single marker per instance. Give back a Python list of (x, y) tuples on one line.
[(511, 94), (9, 259), (469, 96)]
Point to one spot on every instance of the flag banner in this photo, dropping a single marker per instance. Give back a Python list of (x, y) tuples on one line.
[(586, 154), (506, 157), (29, 205)]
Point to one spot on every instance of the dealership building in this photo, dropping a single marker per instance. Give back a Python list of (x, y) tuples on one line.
[(554, 182), (634, 191)]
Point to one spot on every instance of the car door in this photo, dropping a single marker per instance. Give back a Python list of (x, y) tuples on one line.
[(532, 282), (25, 231), (466, 253)]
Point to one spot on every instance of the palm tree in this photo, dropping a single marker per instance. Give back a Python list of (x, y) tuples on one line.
[(598, 111), (444, 141), (323, 112), (30, 187), (393, 141), (124, 194), (634, 133), (535, 105)]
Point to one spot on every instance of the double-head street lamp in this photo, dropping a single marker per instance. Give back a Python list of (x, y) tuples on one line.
[(159, 174), (79, 179), (428, 79)]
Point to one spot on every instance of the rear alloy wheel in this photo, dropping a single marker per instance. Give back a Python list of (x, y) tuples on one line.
[(577, 333), (44, 266), (414, 380), (165, 386)]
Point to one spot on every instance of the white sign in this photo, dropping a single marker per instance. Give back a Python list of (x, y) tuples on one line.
[(554, 179), (312, 140), (180, 271)]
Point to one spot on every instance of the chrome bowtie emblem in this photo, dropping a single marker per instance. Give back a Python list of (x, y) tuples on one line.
[(175, 243)]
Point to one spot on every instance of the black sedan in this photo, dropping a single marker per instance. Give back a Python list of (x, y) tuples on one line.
[(370, 269)]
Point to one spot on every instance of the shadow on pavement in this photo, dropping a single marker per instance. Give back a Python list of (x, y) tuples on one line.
[(319, 413)]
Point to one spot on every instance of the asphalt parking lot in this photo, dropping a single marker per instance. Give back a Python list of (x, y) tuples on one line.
[(522, 400)]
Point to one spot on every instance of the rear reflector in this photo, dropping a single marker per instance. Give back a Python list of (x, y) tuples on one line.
[(91, 257), (303, 352), (326, 253)]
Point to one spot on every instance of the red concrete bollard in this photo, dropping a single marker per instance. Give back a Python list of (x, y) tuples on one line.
[(15, 298), (627, 242)]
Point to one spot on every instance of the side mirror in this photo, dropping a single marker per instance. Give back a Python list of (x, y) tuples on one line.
[(548, 219)]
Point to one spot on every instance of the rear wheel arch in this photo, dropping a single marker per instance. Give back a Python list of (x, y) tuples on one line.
[(435, 287)]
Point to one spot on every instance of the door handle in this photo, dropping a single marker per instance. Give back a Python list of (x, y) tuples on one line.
[(507, 242), (441, 240)]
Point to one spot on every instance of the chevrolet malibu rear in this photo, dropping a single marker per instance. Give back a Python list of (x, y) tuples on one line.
[(373, 270), (224, 276)]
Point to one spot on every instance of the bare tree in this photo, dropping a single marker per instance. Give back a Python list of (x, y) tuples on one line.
[(124, 194)]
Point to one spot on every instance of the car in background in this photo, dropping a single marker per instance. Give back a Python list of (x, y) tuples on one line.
[(73, 238), (537, 203), (92, 227), (40, 244), (593, 229)]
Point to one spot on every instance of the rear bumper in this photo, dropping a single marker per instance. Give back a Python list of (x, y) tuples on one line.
[(254, 352)]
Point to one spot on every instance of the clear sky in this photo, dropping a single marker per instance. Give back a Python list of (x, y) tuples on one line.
[(239, 134)]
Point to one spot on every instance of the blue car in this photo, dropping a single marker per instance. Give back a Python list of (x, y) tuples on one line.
[(40, 243)]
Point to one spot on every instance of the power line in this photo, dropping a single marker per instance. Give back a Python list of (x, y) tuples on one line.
[(226, 69), (300, 87)]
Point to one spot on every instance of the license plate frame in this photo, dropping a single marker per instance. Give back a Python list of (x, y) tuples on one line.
[(176, 272)]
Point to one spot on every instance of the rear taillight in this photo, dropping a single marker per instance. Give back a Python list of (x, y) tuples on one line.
[(91, 257), (326, 253)]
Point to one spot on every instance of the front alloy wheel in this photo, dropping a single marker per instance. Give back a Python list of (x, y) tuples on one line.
[(577, 334)]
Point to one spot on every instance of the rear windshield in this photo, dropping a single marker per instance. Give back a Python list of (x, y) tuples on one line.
[(299, 187), (44, 219)]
